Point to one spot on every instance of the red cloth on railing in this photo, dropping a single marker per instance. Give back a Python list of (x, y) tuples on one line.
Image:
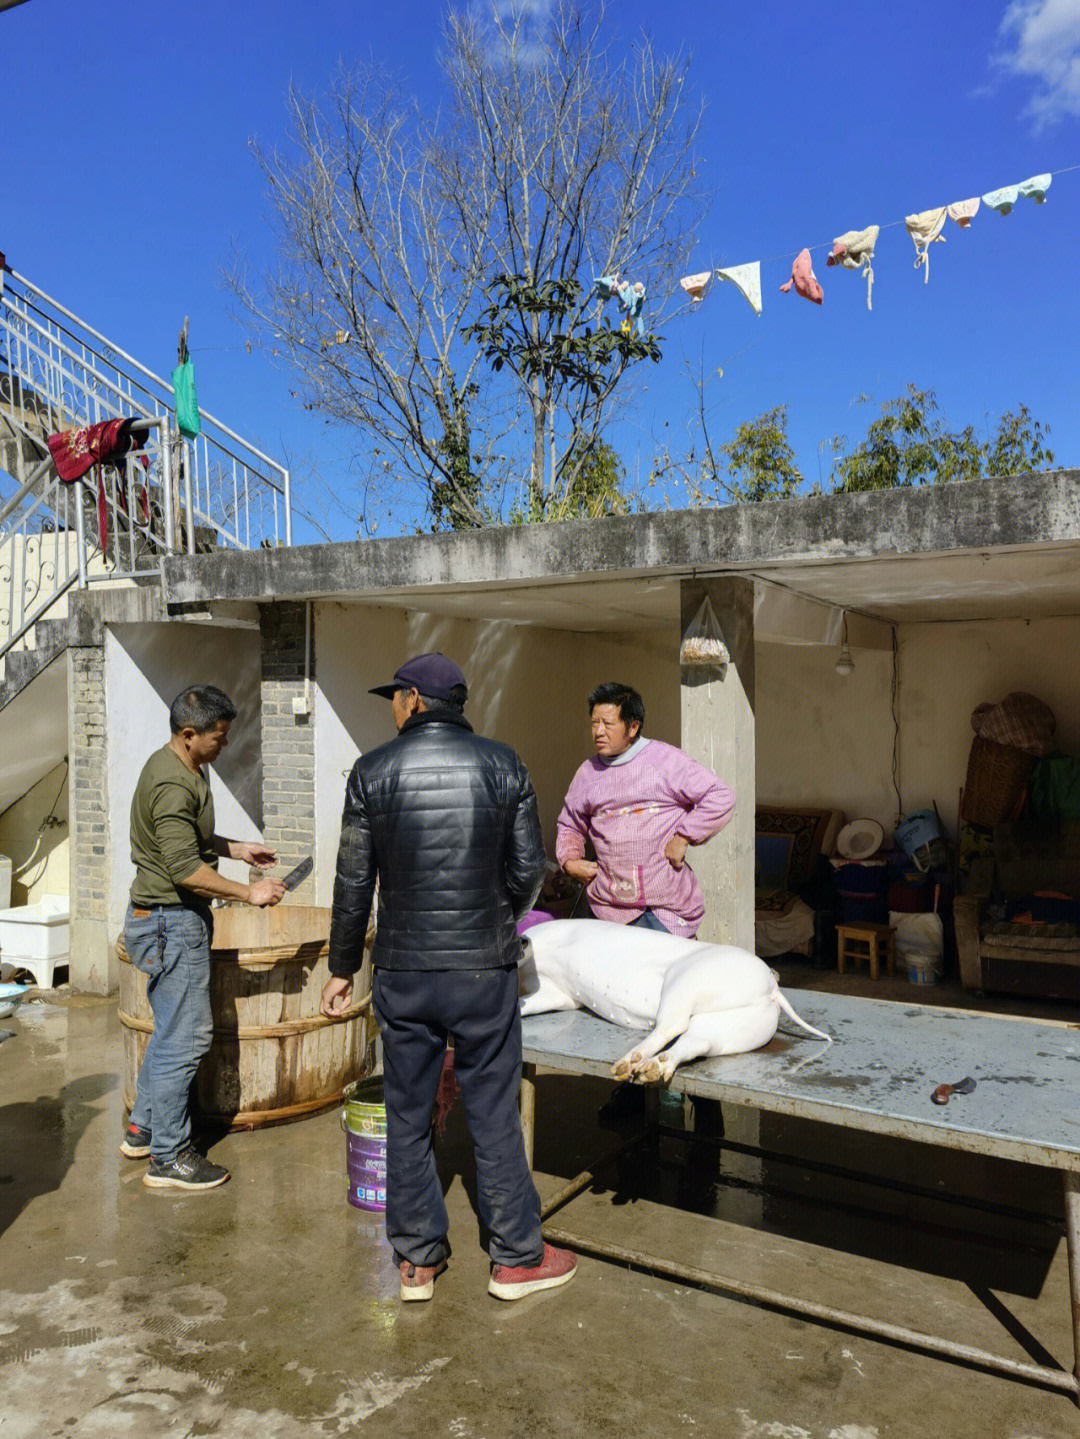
[(75, 452)]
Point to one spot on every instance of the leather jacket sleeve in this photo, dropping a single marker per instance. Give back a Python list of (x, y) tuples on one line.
[(354, 883), (526, 862)]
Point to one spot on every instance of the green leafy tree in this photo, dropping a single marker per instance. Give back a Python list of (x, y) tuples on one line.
[(535, 332), (553, 154), (760, 461), (595, 490), (1017, 447), (909, 444)]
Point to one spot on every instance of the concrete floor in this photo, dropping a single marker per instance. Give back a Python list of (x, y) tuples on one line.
[(270, 1307)]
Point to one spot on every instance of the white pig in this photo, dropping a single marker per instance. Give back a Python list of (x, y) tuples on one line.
[(710, 999)]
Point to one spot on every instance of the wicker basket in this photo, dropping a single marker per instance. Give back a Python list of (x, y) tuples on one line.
[(996, 777)]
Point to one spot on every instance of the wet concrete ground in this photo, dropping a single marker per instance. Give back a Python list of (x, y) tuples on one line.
[(270, 1307)]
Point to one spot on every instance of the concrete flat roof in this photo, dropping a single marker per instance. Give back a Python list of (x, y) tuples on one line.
[(992, 548)]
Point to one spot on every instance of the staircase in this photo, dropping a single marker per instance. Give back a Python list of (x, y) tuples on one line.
[(172, 495)]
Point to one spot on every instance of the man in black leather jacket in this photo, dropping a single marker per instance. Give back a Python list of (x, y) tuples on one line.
[(448, 822)]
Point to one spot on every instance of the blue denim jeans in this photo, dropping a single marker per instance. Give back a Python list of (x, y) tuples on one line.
[(647, 920), (416, 1010), (172, 948)]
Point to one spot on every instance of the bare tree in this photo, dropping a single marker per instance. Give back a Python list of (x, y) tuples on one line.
[(550, 159)]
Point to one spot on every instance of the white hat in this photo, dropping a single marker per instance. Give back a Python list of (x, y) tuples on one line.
[(860, 839)]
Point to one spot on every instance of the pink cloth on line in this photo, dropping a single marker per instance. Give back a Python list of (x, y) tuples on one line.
[(629, 812), (803, 278)]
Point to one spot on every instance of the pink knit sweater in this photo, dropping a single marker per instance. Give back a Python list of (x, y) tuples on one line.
[(629, 812)]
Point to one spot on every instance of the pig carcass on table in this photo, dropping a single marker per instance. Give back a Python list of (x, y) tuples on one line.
[(699, 999)]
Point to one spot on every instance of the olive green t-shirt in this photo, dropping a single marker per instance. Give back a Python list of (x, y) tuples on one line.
[(172, 830)]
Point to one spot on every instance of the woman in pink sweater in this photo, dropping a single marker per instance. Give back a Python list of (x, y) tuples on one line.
[(641, 803)]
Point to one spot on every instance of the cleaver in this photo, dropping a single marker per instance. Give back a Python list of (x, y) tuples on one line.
[(299, 874)]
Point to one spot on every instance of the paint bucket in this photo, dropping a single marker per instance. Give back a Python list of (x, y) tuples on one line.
[(923, 968), (364, 1122)]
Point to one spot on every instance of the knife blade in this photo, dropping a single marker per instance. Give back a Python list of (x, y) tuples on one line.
[(299, 874)]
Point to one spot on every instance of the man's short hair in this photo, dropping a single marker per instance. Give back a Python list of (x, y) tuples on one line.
[(630, 704), (455, 705), (199, 707)]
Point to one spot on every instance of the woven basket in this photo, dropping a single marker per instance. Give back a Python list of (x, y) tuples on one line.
[(996, 777)]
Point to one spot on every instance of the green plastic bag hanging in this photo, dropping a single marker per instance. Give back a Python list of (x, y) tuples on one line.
[(187, 404)]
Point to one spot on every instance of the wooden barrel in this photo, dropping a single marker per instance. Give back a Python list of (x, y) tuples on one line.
[(274, 1057)]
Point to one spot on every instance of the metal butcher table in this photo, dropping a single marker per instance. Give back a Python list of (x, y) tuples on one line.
[(878, 1076)]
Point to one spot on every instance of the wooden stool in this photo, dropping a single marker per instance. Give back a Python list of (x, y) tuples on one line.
[(866, 941)]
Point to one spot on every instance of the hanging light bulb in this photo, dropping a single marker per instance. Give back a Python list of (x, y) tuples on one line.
[(844, 663)]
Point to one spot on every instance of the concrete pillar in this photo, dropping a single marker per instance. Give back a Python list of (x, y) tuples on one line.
[(288, 739), (92, 967), (718, 731)]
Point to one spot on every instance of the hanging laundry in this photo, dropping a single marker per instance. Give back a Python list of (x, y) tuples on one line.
[(924, 228), (187, 402), (1002, 200), (1036, 188), (630, 300), (75, 452), (803, 278), (604, 286), (696, 285), (747, 280), (854, 248), (962, 212)]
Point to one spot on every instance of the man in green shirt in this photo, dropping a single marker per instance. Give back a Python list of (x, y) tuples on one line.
[(167, 930)]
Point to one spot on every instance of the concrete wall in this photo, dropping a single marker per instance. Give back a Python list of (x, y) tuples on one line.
[(823, 739), (946, 670), (527, 688), (39, 856), (827, 739), (145, 667)]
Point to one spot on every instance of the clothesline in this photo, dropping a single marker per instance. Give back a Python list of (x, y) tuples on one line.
[(890, 225), (855, 249)]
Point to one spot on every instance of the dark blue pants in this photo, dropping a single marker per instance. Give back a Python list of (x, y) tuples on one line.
[(417, 1010)]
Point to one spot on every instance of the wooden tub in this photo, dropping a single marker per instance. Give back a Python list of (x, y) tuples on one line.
[(274, 1057)]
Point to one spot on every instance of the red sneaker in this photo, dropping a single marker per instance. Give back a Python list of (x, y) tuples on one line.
[(418, 1280), (558, 1266)]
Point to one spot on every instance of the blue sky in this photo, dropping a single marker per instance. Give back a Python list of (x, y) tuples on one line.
[(127, 178)]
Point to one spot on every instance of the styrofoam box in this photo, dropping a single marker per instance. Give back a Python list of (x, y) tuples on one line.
[(35, 931)]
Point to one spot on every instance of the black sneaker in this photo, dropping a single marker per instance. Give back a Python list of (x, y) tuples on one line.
[(136, 1142), (187, 1171)]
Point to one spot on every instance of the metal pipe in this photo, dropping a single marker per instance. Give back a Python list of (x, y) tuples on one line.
[(1072, 1246), (80, 534), (167, 490), (187, 461), (527, 1103), (288, 507), (585, 1178), (17, 498), (860, 1323)]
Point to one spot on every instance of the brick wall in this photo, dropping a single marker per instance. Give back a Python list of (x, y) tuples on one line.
[(288, 742)]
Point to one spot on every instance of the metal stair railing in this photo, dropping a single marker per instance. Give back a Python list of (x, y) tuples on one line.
[(57, 373)]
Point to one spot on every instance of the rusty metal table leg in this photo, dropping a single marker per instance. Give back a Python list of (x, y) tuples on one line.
[(1072, 1247), (527, 1103)]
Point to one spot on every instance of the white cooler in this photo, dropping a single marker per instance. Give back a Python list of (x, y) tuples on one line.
[(35, 937)]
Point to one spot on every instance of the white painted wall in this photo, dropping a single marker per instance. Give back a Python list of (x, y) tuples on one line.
[(823, 739), (946, 670), (145, 668), (527, 687), (38, 852)]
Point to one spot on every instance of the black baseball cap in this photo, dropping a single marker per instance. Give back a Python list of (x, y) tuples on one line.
[(433, 675)]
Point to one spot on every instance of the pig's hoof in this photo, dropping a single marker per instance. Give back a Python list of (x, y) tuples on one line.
[(623, 1068), (651, 1071)]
